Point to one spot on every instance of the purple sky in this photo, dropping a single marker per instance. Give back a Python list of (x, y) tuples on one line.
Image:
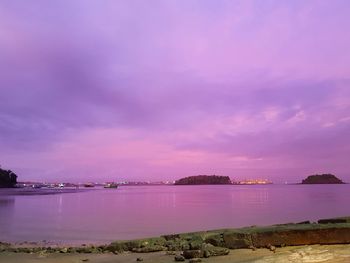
[(158, 90)]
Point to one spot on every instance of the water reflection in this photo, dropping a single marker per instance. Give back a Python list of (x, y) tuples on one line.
[(7, 207), (135, 212), (324, 194), (7, 201), (249, 196)]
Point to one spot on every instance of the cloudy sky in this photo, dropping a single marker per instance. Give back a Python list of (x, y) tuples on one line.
[(158, 90)]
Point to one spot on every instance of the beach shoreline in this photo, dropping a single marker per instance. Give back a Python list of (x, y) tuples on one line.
[(327, 234), (297, 254)]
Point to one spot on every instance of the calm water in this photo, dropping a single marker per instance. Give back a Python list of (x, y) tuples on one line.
[(102, 215)]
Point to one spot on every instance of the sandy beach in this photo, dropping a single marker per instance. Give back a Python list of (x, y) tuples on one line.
[(307, 254), (325, 241)]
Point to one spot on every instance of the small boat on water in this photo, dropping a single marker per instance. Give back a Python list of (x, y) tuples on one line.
[(89, 185), (111, 185)]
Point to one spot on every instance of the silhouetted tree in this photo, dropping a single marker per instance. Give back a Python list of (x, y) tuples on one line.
[(8, 178)]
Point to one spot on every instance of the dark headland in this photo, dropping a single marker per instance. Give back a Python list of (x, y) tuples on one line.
[(8, 179), (322, 179)]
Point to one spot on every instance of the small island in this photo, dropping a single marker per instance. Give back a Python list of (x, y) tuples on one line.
[(203, 179), (322, 179), (8, 179)]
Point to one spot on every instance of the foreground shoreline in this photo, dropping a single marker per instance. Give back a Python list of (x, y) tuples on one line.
[(295, 254), (204, 244)]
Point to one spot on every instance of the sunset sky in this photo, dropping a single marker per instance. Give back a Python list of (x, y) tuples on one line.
[(158, 90)]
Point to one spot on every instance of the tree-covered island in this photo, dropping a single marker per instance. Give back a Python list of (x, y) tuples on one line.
[(322, 179), (203, 179)]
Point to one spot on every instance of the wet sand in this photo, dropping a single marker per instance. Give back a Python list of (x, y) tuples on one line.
[(296, 254)]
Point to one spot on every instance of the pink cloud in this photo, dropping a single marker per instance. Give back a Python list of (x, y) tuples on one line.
[(159, 90)]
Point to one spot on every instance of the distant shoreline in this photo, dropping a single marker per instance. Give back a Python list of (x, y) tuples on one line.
[(67, 190)]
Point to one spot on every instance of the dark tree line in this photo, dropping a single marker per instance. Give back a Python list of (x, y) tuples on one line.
[(8, 178)]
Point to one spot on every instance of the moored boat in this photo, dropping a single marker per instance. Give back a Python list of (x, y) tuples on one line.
[(111, 185)]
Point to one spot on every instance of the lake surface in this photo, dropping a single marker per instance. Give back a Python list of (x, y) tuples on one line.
[(102, 215)]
